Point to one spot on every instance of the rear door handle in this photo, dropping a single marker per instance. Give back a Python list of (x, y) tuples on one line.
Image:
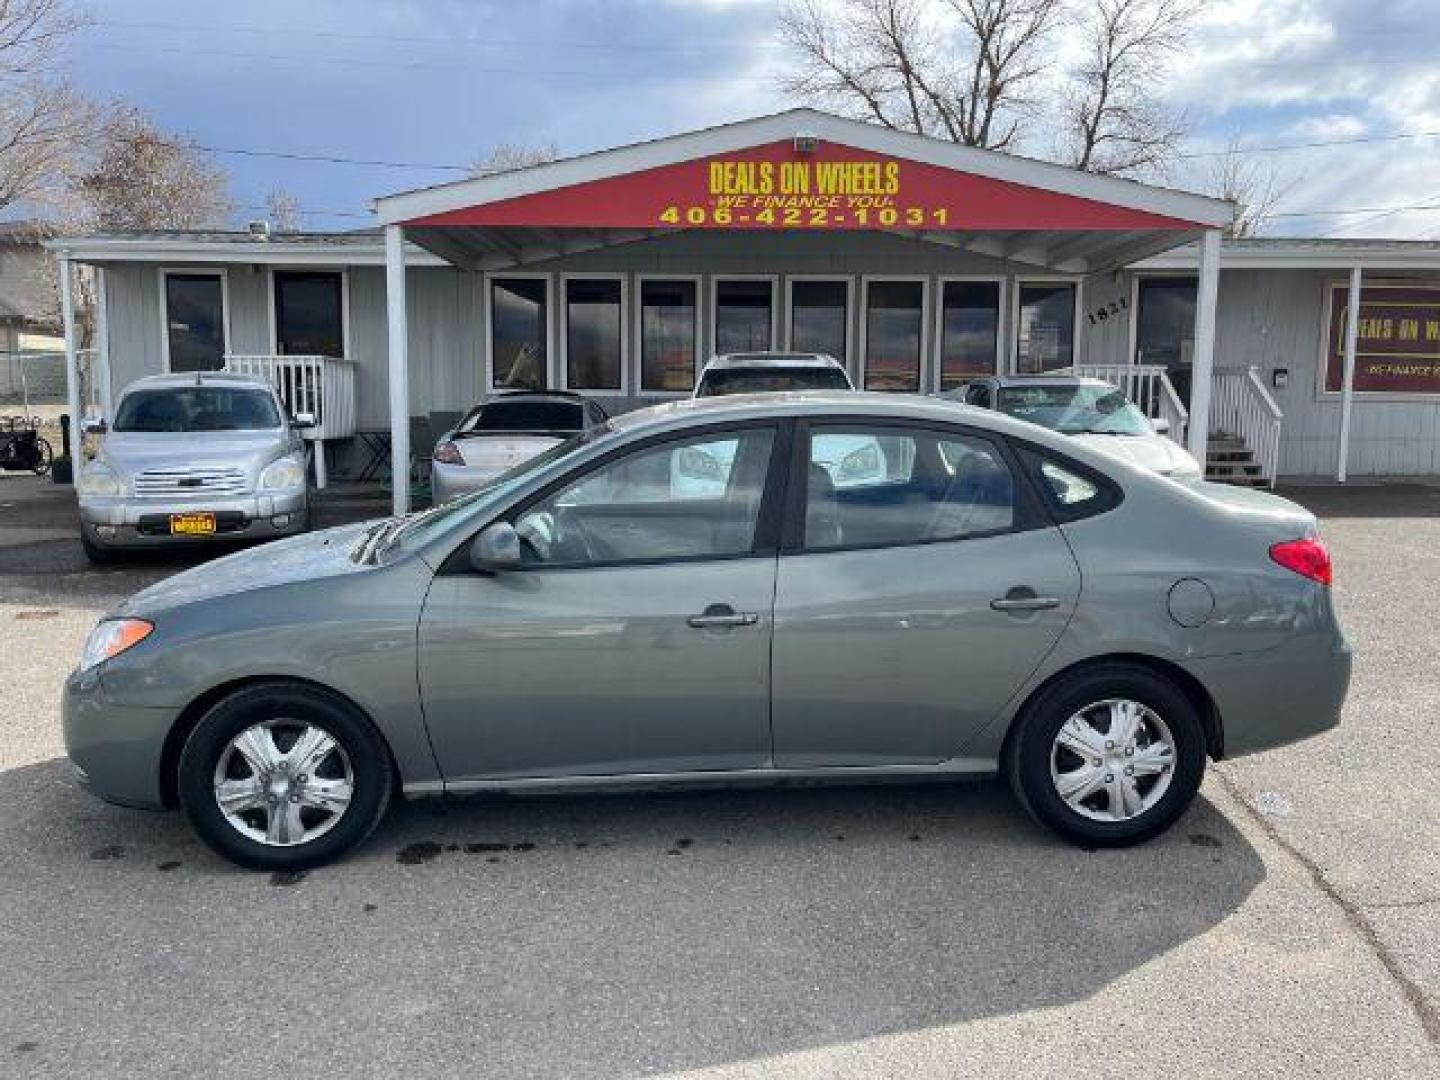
[(1023, 599), (722, 615)]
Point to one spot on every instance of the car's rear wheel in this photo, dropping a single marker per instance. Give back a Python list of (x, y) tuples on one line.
[(1108, 756), (284, 777)]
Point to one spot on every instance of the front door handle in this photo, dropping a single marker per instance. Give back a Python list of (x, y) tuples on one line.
[(1022, 598), (722, 615)]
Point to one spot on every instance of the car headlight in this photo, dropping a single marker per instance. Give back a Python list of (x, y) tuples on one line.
[(287, 472), (99, 479), (111, 637)]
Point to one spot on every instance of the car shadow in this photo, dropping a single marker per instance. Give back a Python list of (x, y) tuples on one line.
[(1366, 500), (620, 934)]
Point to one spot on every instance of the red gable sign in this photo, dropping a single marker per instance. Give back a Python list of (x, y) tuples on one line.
[(775, 187)]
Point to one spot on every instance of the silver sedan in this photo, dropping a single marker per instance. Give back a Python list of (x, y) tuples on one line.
[(691, 593)]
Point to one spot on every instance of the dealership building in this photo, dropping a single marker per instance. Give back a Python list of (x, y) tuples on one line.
[(920, 263)]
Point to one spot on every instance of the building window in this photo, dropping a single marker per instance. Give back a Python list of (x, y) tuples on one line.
[(309, 314), (195, 321), (744, 315), (1046, 334), (594, 337), (894, 334), (820, 317), (969, 330), (1165, 327), (519, 314), (668, 331)]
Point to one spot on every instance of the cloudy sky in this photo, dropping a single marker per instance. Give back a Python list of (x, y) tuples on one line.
[(431, 84)]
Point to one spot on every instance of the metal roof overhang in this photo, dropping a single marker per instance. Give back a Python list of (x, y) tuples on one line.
[(1029, 212)]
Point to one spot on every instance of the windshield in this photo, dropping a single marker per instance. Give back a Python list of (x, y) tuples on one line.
[(526, 416), (429, 523), (1075, 410), (723, 381), (197, 408)]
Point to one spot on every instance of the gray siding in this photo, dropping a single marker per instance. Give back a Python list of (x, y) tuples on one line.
[(1268, 318)]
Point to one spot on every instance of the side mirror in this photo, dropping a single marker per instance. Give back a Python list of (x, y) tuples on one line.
[(497, 547), (303, 420), (94, 425), (1161, 426)]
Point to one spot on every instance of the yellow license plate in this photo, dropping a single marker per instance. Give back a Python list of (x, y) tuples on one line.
[(192, 524)]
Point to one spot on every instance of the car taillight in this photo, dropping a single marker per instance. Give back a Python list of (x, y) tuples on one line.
[(1309, 558), (447, 453)]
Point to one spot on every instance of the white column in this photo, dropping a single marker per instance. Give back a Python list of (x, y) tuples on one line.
[(1203, 365), (72, 360), (102, 342), (1347, 387), (399, 367)]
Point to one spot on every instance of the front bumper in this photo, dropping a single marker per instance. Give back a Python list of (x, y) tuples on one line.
[(1277, 696), (131, 522), (116, 749)]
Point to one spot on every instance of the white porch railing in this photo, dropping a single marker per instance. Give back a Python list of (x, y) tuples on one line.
[(1241, 406), (322, 386), (1149, 386)]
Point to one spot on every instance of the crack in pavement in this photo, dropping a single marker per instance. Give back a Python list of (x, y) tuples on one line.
[(1387, 904), (1415, 996)]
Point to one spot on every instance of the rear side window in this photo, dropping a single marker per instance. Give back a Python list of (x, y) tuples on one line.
[(1070, 490), (881, 487)]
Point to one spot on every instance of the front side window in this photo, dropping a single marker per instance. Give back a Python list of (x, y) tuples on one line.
[(668, 331), (820, 317), (195, 321), (969, 331), (1045, 338), (309, 314), (691, 498), (743, 315), (593, 334), (197, 408), (519, 314), (872, 487), (894, 334)]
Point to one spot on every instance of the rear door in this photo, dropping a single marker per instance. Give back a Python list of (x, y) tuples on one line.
[(914, 596)]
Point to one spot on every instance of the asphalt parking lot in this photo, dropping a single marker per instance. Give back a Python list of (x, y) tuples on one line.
[(1289, 925)]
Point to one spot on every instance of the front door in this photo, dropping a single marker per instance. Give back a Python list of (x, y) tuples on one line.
[(635, 638), (922, 590)]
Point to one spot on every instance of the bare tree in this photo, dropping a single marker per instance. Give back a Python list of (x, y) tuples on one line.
[(44, 122), (283, 211), (964, 72), (1253, 186), (1113, 121), (143, 178), (507, 156)]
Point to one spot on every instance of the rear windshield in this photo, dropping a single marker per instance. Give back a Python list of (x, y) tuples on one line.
[(724, 381), (197, 408), (526, 416)]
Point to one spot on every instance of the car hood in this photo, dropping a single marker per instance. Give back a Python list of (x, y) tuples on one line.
[(307, 557), (1153, 452), (133, 452)]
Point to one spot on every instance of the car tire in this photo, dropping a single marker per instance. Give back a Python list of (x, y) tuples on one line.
[(282, 817), (96, 552), (1130, 802)]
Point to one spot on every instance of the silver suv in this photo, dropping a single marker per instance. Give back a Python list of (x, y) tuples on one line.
[(193, 457), (761, 372)]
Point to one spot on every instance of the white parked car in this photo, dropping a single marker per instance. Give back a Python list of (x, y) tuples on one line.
[(1091, 411), (766, 372), (503, 432)]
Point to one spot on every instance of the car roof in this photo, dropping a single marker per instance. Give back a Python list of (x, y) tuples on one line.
[(562, 396), (865, 406), (761, 360), (199, 378), (1044, 380)]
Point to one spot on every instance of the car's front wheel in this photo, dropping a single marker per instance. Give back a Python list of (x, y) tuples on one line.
[(1108, 756), (284, 777)]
